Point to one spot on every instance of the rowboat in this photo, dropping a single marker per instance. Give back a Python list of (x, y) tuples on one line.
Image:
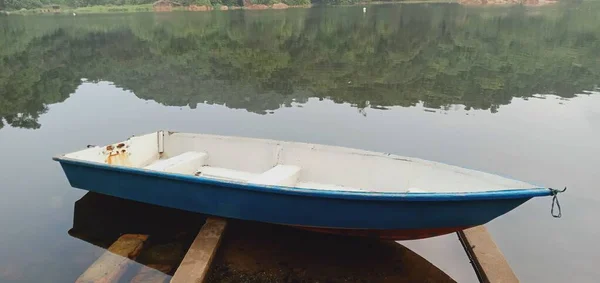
[(322, 188)]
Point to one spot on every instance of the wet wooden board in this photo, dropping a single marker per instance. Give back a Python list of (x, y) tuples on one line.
[(258, 252), (197, 260), (488, 261), (152, 273), (111, 265)]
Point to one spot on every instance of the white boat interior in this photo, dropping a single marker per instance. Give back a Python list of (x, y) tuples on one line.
[(291, 164)]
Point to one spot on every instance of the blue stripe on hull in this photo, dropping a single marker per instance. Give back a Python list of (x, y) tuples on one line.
[(299, 207)]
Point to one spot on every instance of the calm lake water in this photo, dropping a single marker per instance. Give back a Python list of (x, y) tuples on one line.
[(509, 90)]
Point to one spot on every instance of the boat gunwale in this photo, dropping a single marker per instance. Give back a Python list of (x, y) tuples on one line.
[(319, 193)]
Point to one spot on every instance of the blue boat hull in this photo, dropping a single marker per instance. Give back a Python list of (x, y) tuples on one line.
[(418, 214)]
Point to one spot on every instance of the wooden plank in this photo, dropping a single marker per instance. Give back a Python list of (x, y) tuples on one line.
[(152, 273), (262, 252), (488, 261), (197, 260), (160, 259), (111, 265)]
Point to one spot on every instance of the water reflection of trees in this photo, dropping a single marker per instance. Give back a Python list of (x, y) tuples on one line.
[(392, 56)]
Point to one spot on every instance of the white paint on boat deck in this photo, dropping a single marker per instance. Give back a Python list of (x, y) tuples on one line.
[(330, 187), (225, 174), (137, 151), (321, 167), (415, 190), (336, 166), (185, 163), (281, 175)]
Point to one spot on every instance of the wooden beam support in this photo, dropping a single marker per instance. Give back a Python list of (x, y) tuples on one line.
[(487, 259), (111, 265), (198, 258)]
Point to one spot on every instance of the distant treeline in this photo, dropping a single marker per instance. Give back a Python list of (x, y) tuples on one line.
[(395, 55), (33, 4)]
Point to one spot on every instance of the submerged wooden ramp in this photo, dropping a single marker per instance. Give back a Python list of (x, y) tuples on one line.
[(244, 251), (487, 259), (113, 263), (258, 252), (197, 260)]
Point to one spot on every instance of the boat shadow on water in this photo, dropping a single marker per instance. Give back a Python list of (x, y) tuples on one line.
[(249, 252)]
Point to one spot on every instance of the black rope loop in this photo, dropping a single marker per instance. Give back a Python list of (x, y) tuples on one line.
[(556, 203)]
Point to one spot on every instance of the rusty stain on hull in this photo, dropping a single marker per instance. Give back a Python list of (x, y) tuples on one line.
[(117, 154)]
